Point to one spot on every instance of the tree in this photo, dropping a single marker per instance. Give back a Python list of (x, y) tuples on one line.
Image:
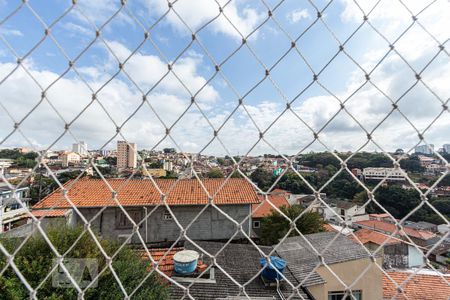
[(169, 150), (215, 173), (170, 175), (220, 161), (275, 226), (442, 205), (262, 178), (236, 174), (21, 160), (396, 200), (294, 184), (112, 161), (411, 164), (156, 165), (35, 261)]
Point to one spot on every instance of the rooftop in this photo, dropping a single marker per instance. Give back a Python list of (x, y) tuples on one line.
[(391, 228), (366, 235), (242, 267), (265, 209), (137, 192), (302, 259), (50, 213), (345, 204), (421, 286)]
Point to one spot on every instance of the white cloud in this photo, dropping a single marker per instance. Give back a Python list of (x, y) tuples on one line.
[(11, 32), (77, 29), (197, 13), (297, 15), (70, 95), (19, 93)]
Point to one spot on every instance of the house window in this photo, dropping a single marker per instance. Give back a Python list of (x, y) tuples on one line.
[(123, 221), (339, 295), (342, 212), (167, 216), (256, 224)]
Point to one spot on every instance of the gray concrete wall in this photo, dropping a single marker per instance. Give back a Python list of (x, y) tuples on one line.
[(210, 225)]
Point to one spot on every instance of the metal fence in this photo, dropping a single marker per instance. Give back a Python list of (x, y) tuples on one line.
[(147, 25)]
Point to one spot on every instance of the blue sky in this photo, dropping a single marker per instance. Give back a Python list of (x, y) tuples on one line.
[(217, 99)]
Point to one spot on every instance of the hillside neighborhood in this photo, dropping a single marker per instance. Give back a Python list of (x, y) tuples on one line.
[(170, 202)]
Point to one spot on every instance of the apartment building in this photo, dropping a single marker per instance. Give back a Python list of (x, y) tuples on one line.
[(391, 174), (126, 155), (80, 148), (70, 159), (425, 149)]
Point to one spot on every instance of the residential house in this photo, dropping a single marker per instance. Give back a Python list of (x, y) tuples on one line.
[(397, 253), (421, 238), (48, 218), (442, 191), (11, 211), (422, 225), (441, 254), (241, 261), (425, 285), (346, 258), (349, 211), (70, 159), (303, 270), (155, 173), (154, 209), (381, 217), (265, 208)]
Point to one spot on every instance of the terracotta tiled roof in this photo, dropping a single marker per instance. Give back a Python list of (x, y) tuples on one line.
[(137, 192), (50, 213), (279, 191), (166, 263), (379, 215), (329, 228), (265, 209), (390, 228), (367, 235), (421, 286)]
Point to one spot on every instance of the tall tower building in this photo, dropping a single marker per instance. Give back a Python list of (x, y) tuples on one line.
[(80, 148), (446, 148), (126, 155)]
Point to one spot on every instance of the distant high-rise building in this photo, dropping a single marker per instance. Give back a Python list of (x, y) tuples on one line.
[(126, 155), (446, 148), (425, 149), (80, 148), (168, 165)]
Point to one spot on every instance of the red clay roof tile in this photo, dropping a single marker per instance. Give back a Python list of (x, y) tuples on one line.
[(137, 192), (367, 235), (265, 208), (49, 213), (390, 228), (421, 286)]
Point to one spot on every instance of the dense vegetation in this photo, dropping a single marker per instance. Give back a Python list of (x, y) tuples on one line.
[(275, 226), (21, 160), (35, 261), (398, 201), (215, 173)]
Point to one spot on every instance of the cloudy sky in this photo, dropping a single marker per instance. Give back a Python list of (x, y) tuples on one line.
[(314, 106)]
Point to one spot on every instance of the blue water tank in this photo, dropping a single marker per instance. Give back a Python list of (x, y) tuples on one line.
[(185, 262), (269, 272)]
